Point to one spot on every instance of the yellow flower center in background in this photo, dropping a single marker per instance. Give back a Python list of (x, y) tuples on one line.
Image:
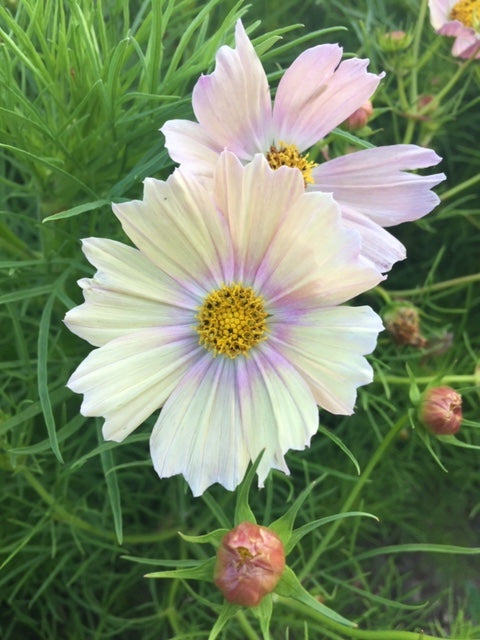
[(467, 12), (231, 320), (287, 155)]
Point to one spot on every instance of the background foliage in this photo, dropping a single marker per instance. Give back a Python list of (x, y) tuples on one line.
[(84, 87)]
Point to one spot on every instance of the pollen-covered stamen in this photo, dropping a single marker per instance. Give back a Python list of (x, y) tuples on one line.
[(231, 320), (288, 155), (467, 12)]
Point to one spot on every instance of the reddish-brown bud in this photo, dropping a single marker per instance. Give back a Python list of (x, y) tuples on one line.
[(403, 323), (359, 118), (250, 561), (441, 411)]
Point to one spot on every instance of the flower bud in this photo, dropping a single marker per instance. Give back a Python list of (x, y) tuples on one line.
[(441, 411), (250, 561), (403, 323), (359, 118), (394, 41)]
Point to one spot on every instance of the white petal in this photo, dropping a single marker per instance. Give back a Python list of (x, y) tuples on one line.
[(224, 412), (189, 144), (377, 183), (232, 104), (127, 293), (254, 199), (130, 377), (326, 346), (179, 229)]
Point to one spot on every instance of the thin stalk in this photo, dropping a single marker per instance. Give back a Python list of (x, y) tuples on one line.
[(354, 493), (446, 284), (414, 72)]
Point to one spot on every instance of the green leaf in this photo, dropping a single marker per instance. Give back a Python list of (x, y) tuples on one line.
[(457, 443), (341, 445), (263, 612), (299, 533), (75, 211), (113, 491), (289, 587)]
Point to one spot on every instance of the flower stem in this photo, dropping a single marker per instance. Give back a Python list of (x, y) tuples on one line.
[(348, 632), (446, 284), (354, 493), (414, 75), (460, 187), (463, 379)]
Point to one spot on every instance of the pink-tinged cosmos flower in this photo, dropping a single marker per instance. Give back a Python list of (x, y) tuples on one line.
[(250, 562), (460, 20), (226, 315), (441, 410), (317, 92)]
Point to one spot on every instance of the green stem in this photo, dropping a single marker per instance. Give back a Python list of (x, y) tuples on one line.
[(246, 626), (354, 493), (460, 187), (464, 379), (414, 72), (348, 632), (446, 284)]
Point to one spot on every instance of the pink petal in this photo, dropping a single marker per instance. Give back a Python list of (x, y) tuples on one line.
[(189, 144), (378, 245), (232, 104), (317, 93), (439, 12), (375, 182)]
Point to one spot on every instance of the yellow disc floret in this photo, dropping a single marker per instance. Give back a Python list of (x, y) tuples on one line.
[(467, 12), (287, 155), (231, 320)]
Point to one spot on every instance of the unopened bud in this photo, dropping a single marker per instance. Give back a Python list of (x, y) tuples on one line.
[(250, 561), (441, 411), (403, 323), (359, 118), (394, 40)]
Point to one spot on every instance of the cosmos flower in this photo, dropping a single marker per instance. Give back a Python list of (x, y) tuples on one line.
[(316, 93), (226, 315), (460, 20)]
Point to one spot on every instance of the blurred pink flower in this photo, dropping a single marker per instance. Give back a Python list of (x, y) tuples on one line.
[(461, 20), (250, 562), (317, 92)]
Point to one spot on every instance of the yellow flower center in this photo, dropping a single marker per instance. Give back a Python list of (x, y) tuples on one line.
[(287, 155), (231, 320), (467, 12)]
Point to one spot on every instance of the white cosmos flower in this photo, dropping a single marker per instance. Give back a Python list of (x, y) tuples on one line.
[(225, 315), (374, 187)]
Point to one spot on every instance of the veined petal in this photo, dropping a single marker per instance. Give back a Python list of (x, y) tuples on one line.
[(379, 246), (179, 229), (127, 293), (130, 377), (316, 94), (313, 260), (376, 182), (189, 144), (254, 199), (224, 412), (232, 104), (327, 347)]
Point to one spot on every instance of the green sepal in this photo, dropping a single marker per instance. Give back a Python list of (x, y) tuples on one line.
[(298, 534), (214, 537), (283, 527), (243, 513), (203, 571), (289, 587), (227, 612), (263, 612), (451, 439)]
